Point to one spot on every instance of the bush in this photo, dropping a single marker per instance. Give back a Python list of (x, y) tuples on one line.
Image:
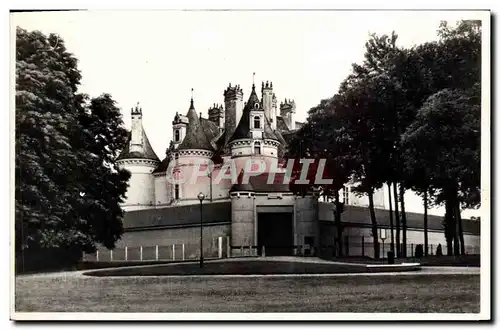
[(46, 259), (419, 251), (439, 251)]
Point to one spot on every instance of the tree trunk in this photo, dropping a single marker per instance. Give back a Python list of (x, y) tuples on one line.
[(403, 218), (456, 240), (391, 219), (426, 226), (448, 230), (458, 219), (376, 245), (396, 216), (338, 224)]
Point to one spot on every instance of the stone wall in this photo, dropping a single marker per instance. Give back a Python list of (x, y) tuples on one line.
[(165, 239)]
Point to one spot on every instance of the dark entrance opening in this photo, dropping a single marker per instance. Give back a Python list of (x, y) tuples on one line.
[(275, 232)]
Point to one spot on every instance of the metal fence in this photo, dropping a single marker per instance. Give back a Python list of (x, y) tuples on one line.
[(363, 247), (219, 247), (216, 247)]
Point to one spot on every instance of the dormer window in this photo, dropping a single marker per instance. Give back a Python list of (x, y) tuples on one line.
[(256, 122), (177, 135), (256, 106), (256, 148)]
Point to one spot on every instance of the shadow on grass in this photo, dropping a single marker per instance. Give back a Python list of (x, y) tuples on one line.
[(243, 267), (473, 260)]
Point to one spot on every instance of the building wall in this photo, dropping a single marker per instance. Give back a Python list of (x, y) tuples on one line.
[(413, 203), (306, 214), (357, 229), (243, 221), (194, 181), (379, 199), (165, 239), (162, 193), (141, 191), (356, 237), (244, 217)]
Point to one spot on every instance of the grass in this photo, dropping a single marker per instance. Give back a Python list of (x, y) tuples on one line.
[(473, 260), (235, 267), (402, 294)]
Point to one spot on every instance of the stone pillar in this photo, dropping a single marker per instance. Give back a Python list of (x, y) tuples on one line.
[(243, 222)]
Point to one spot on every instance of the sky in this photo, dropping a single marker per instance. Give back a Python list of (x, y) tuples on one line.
[(156, 57)]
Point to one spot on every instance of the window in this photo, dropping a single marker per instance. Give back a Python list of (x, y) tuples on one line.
[(256, 122), (256, 148), (177, 135), (346, 195), (176, 155), (176, 191)]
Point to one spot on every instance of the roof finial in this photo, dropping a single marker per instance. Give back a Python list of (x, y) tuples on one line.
[(192, 103), (253, 80)]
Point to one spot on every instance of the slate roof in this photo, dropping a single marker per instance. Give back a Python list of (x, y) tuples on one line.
[(288, 136), (148, 152), (196, 136), (185, 215), (259, 184), (163, 165), (280, 124), (242, 131), (211, 130)]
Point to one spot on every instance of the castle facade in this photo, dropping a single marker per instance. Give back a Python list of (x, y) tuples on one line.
[(242, 216)]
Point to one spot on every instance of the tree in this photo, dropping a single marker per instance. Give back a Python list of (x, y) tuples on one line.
[(446, 136), (450, 72), (366, 119), (324, 137), (46, 82), (65, 154), (385, 60)]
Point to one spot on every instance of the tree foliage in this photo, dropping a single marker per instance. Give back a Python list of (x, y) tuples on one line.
[(67, 185), (406, 116)]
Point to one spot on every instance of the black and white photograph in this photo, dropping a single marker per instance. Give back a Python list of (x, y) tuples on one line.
[(257, 164)]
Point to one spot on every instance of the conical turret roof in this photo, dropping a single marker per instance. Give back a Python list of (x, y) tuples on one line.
[(195, 134), (147, 152), (242, 131)]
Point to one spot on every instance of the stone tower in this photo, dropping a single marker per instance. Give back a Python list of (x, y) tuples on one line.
[(287, 111), (139, 158), (217, 115), (233, 99), (267, 103)]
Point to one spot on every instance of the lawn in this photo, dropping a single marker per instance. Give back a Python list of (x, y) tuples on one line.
[(407, 294), (235, 267)]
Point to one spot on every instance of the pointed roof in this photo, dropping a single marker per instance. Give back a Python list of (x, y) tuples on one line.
[(147, 152), (163, 166), (195, 133), (253, 98), (242, 131)]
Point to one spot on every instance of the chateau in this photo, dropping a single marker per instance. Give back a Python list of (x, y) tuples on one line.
[(244, 217)]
